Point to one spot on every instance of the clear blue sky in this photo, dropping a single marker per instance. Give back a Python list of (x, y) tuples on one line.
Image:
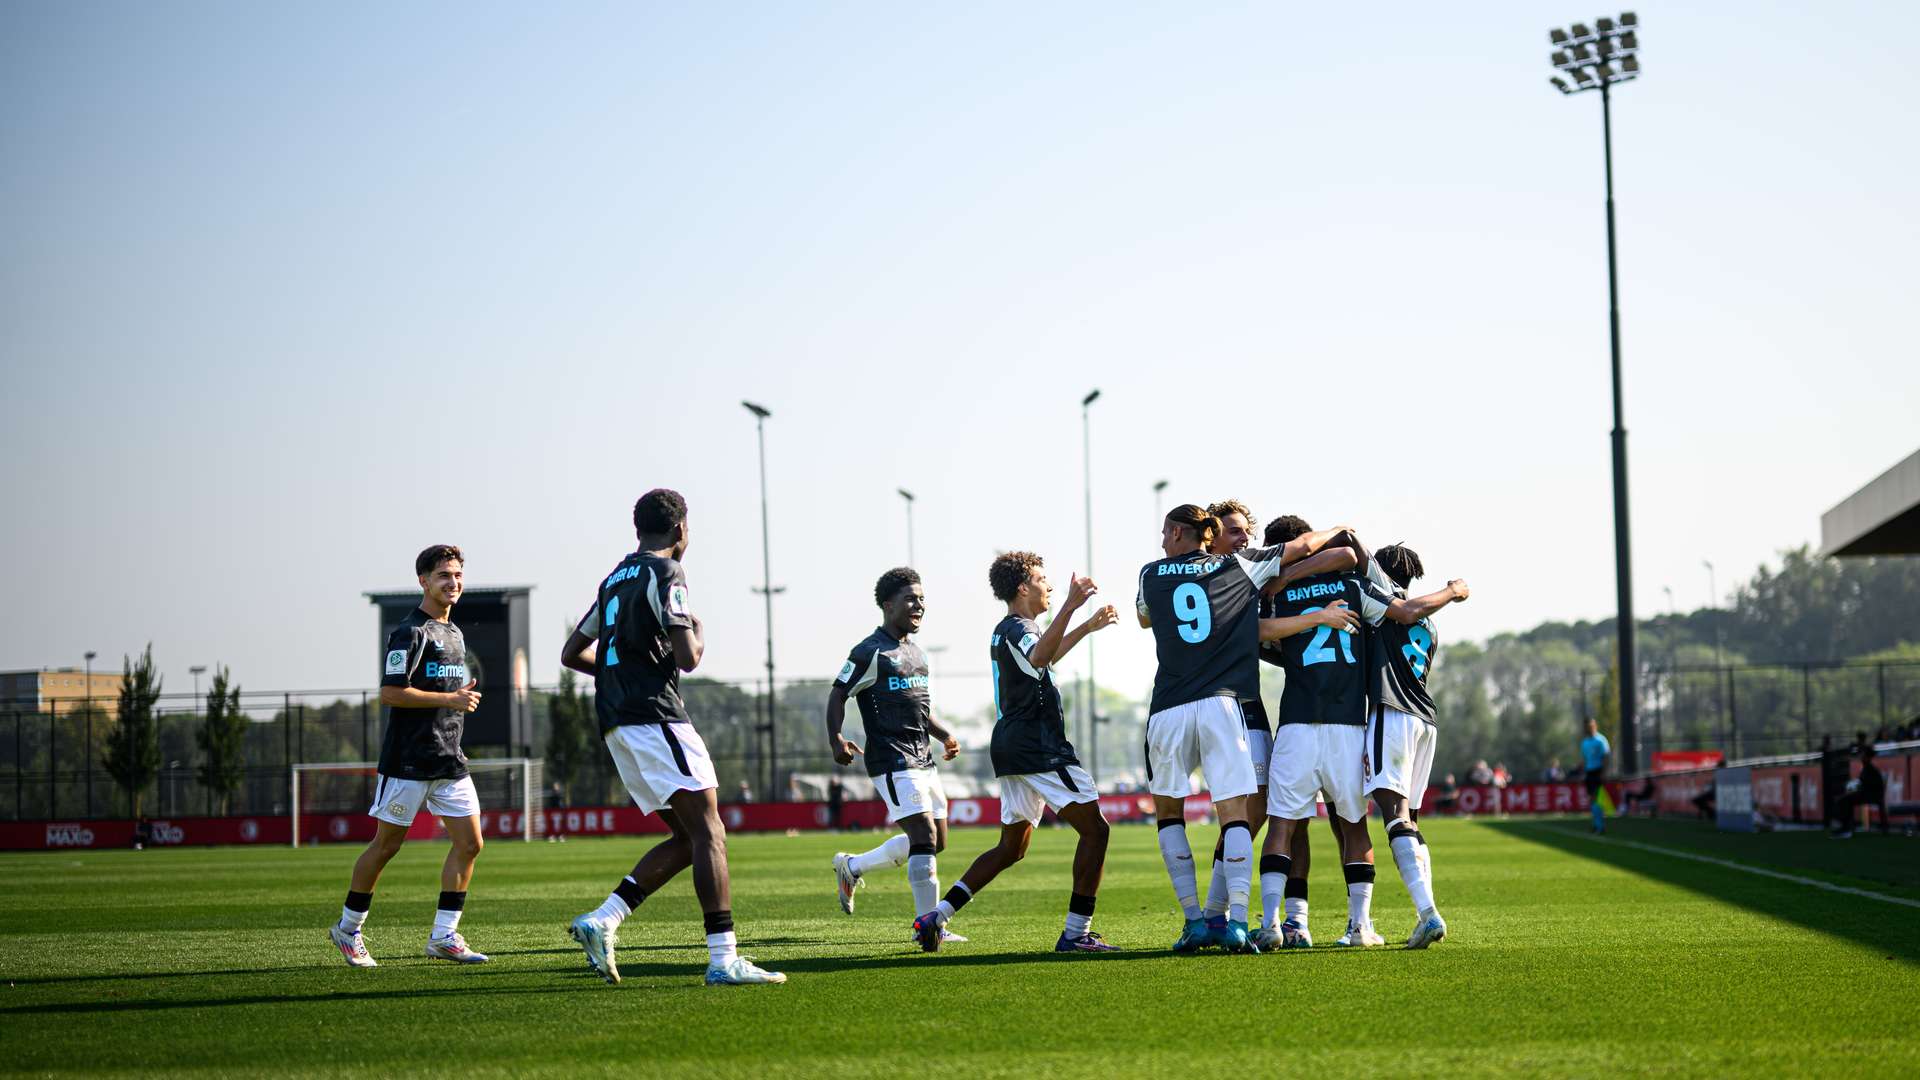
[(289, 292)]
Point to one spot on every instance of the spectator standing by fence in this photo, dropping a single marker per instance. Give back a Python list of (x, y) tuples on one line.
[(1594, 752)]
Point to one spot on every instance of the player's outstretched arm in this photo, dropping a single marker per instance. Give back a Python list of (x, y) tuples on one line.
[(1408, 612), (1057, 640), (1099, 620), (1336, 615), (842, 748), (1307, 544), (1328, 560)]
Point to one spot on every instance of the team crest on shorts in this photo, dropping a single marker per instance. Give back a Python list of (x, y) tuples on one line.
[(397, 809)]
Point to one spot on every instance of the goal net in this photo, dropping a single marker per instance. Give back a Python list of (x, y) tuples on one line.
[(510, 791)]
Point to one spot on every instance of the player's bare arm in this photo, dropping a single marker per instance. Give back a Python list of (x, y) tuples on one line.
[(1099, 620), (1058, 640), (1307, 544), (1408, 612), (466, 699), (1336, 615), (842, 748), (1328, 560), (688, 645), (579, 653), (947, 741)]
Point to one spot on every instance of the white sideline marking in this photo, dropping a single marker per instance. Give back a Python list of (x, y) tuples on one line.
[(1744, 868)]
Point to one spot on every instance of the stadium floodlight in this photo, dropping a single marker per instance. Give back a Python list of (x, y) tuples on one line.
[(766, 589), (1561, 59), (1614, 42), (1092, 684), (1557, 37)]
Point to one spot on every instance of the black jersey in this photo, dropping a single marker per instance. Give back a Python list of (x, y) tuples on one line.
[(1399, 658), (888, 677), (424, 744), (1204, 613), (635, 678), (1326, 669), (1029, 726)]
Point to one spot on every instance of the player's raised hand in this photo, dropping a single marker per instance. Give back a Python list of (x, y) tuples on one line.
[(1459, 587), (843, 750), (1338, 616), (1079, 590), (1102, 619), (466, 699)]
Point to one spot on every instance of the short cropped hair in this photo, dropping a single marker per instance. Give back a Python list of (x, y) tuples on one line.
[(1010, 571), (892, 582), (429, 560), (1234, 506), (1286, 527), (1204, 525), (658, 511), (1401, 563)]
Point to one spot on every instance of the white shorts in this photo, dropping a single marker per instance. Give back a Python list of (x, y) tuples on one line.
[(1210, 734), (912, 791), (1399, 753), (1309, 759), (397, 801), (656, 760), (1022, 797), (1260, 749)]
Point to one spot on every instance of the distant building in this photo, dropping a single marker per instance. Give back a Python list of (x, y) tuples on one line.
[(59, 690)]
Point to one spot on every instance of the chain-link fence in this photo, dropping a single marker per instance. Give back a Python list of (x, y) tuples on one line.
[(51, 763)]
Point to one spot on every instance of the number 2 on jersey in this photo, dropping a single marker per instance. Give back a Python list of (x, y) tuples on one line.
[(1318, 651), (1195, 614), (612, 613)]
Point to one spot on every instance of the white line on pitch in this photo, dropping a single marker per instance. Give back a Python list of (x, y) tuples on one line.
[(1745, 869)]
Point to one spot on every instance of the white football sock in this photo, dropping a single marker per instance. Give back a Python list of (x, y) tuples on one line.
[(721, 949), (612, 910), (1217, 900), (924, 876), (351, 921), (1237, 847), (1297, 909), (1078, 925), (1360, 903), (445, 922), (1178, 858), (1272, 887), (885, 857), (1406, 856)]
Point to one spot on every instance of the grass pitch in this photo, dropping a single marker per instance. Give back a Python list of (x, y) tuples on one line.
[(1568, 956)]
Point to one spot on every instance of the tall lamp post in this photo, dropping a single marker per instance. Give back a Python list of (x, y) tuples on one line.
[(1093, 684), (1159, 501), (908, 496), (196, 671), (767, 591), (87, 690), (1598, 58)]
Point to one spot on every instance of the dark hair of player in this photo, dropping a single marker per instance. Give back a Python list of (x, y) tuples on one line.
[(1234, 506), (1286, 527), (1401, 563), (892, 582), (1204, 525), (658, 512), (428, 560), (1010, 571)]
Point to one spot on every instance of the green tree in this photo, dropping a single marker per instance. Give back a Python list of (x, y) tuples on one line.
[(223, 741), (570, 727), (133, 746)]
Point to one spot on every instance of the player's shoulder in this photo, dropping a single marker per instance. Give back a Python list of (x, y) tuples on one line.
[(875, 641), (412, 624), (1261, 554)]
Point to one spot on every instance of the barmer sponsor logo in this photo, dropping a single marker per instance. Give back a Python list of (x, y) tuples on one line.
[(438, 670), (911, 682)]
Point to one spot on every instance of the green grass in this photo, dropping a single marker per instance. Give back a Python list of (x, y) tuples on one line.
[(1568, 956)]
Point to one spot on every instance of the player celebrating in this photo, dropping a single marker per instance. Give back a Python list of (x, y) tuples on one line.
[(425, 689), (1400, 735), (1201, 608), (1036, 764), (887, 674), (1319, 747), (635, 640)]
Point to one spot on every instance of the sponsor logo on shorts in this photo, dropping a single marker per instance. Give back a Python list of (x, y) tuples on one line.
[(397, 662)]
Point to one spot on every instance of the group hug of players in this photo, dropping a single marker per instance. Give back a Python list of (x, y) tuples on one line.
[(1355, 723)]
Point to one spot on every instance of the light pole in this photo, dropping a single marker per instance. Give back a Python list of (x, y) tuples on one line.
[(1093, 684), (908, 496), (766, 590), (1713, 605), (1597, 59), (196, 671), (87, 690), (1159, 511)]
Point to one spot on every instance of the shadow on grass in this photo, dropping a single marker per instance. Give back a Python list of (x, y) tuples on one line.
[(1891, 929)]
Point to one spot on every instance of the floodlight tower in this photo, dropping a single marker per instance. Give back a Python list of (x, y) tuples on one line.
[(1598, 58), (767, 590)]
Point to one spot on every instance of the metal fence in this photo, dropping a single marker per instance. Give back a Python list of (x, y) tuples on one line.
[(51, 763)]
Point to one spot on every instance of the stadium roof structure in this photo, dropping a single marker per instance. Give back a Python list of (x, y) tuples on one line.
[(1882, 518)]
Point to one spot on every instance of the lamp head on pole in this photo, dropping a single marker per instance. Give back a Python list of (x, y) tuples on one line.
[(757, 410), (905, 494), (1596, 57), (1090, 399), (90, 654), (1159, 486)]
